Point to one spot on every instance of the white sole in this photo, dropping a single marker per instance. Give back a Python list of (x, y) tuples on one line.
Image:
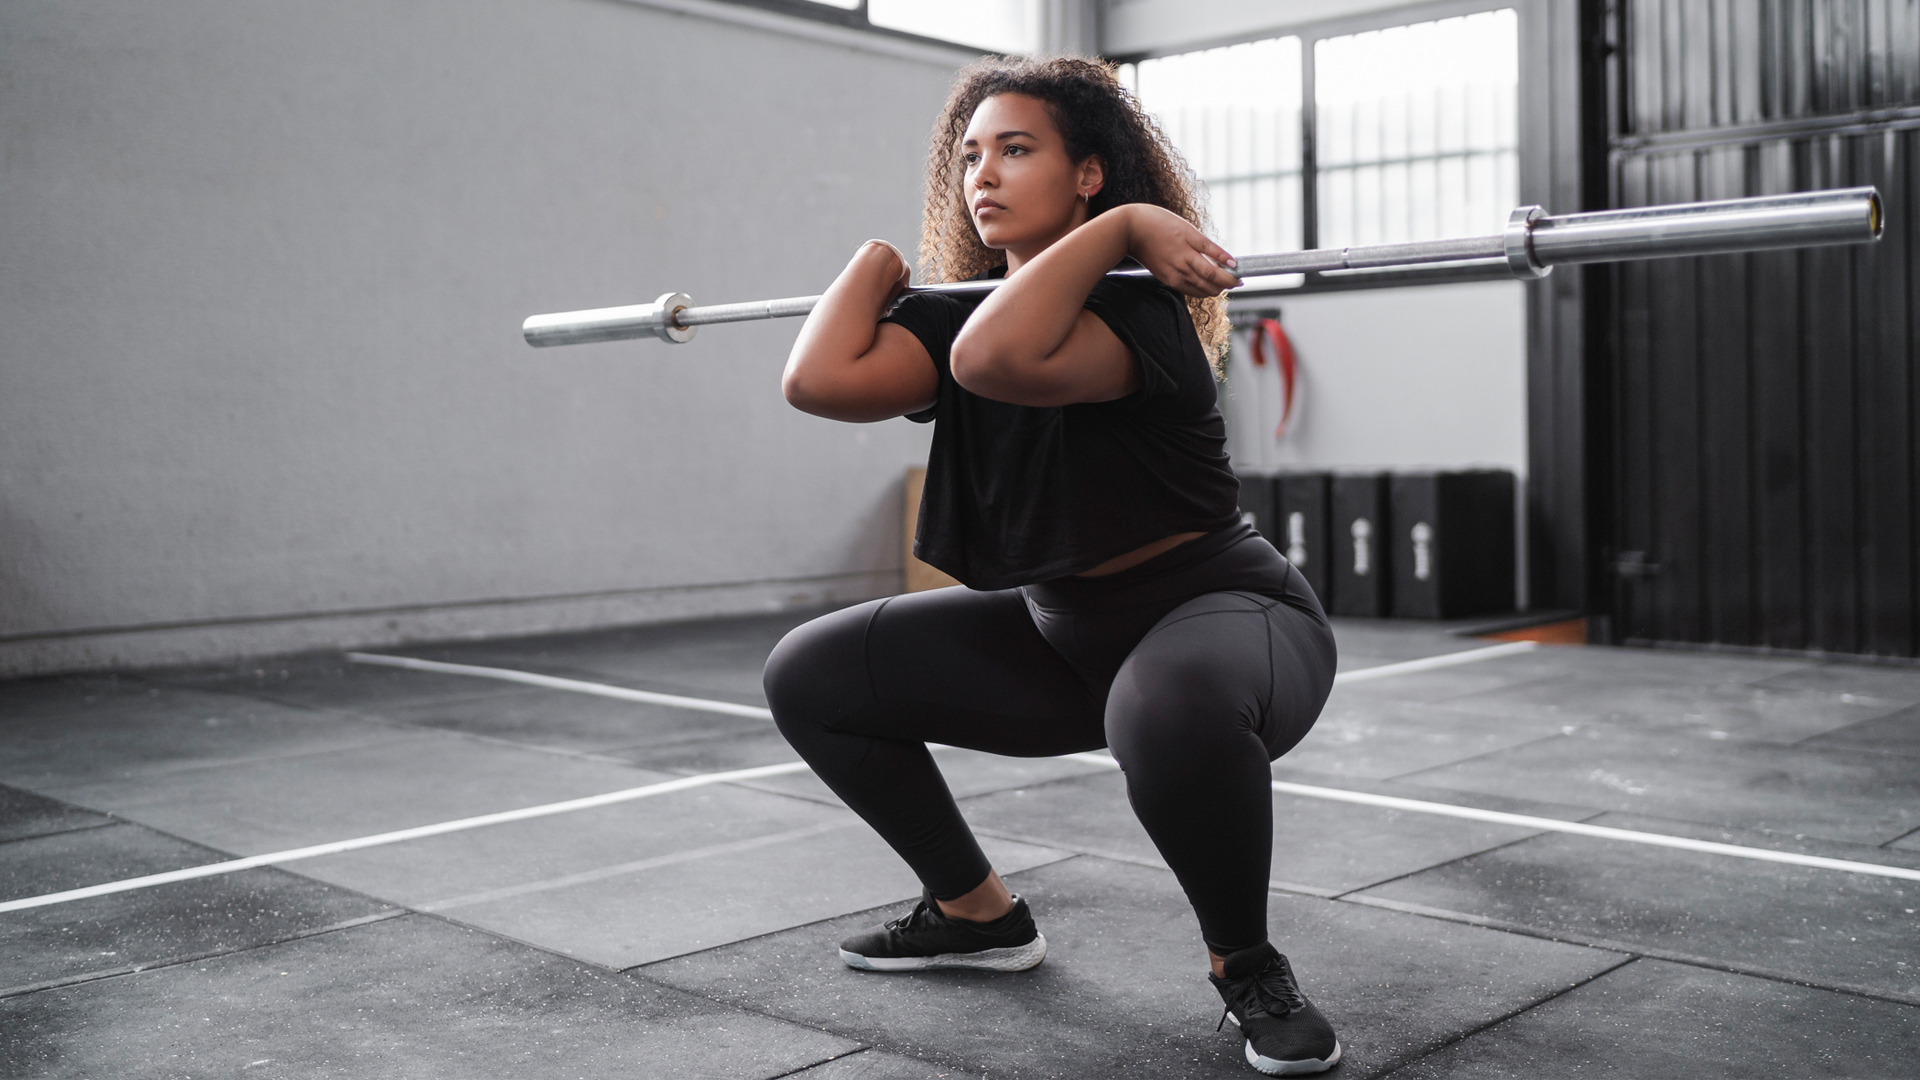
[(1016, 958), (1276, 1067)]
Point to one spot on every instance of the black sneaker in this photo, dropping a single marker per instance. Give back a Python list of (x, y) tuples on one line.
[(924, 938), (1286, 1035)]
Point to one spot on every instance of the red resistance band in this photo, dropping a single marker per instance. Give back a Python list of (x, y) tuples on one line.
[(1268, 334)]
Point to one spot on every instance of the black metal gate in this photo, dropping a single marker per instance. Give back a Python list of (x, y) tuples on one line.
[(1765, 411)]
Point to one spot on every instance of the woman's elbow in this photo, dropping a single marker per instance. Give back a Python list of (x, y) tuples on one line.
[(803, 390), (979, 366)]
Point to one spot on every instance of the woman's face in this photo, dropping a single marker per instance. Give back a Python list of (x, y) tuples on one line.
[(1023, 190)]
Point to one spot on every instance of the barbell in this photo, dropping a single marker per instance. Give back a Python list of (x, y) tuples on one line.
[(1533, 243)]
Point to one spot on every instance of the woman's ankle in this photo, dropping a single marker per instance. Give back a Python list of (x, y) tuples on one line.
[(985, 902)]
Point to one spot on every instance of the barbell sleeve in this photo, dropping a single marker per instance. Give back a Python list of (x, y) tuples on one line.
[(1532, 245)]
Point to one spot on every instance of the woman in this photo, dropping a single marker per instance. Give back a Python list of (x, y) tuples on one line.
[(1078, 484)]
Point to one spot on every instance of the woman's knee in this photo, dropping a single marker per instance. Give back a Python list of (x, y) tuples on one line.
[(1174, 703), (818, 670), (1223, 671)]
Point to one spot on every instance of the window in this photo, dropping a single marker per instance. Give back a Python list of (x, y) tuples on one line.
[(1235, 114), (1415, 133), (1003, 26), (1416, 130)]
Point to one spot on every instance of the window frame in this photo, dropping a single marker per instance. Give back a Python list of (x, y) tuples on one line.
[(854, 18), (1529, 136)]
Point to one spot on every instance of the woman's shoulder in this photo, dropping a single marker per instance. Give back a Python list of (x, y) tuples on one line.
[(1140, 300), (933, 312)]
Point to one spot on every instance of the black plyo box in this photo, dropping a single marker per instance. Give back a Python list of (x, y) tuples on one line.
[(1452, 544), (1301, 513), (1360, 574), (1256, 501)]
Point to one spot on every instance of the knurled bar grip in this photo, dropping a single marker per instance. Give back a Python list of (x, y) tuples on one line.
[(1532, 245)]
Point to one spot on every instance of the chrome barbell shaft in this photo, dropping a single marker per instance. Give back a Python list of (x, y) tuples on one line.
[(1532, 245)]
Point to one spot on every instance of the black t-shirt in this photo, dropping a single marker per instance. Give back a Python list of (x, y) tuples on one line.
[(1017, 494)]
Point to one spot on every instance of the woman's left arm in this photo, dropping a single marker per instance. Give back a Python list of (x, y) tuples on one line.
[(1033, 342)]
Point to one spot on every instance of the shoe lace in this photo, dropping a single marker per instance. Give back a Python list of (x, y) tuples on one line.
[(1271, 990), (921, 917)]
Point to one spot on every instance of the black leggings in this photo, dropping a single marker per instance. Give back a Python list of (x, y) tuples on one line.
[(1197, 668)]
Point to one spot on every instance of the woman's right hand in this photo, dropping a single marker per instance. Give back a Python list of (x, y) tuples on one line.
[(846, 364), (1178, 255), (902, 273)]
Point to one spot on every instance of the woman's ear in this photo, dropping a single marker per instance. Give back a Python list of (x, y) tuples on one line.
[(1093, 176)]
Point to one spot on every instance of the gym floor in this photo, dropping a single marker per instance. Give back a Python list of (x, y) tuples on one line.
[(690, 932)]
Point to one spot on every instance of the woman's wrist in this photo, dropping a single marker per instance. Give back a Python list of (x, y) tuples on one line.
[(1128, 215)]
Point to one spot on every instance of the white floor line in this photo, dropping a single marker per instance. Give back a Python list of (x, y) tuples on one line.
[(1527, 821), (275, 858), (552, 682), (1430, 663)]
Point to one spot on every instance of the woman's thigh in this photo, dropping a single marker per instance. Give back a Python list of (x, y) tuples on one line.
[(949, 666)]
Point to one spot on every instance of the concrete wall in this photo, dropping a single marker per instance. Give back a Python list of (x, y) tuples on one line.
[(261, 278)]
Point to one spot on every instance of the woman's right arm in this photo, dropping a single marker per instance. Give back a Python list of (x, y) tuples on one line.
[(846, 364)]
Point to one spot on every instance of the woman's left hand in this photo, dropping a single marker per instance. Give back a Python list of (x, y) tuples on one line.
[(1178, 255)]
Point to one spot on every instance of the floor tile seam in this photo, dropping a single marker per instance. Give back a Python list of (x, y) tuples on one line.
[(1647, 727), (669, 744), (1050, 781), (308, 706), (77, 828), (1647, 952), (218, 855), (415, 735), (1403, 777), (1751, 837), (1461, 798), (1909, 755), (598, 874), (1442, 701), (864, 1042), (861, 1049), (386, 721), (213, 954), (596, 757), (1273, 885), (1414, 1057), (1079, 850), (1503, 845), (1897, 839), (1862, 845), (1598, 811), (800, 796)]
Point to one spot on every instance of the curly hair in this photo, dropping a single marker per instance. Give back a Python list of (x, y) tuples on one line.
[(1094, 115)]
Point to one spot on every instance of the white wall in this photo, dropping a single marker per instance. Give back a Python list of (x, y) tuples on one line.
[(1432, 376), (261, 279)]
